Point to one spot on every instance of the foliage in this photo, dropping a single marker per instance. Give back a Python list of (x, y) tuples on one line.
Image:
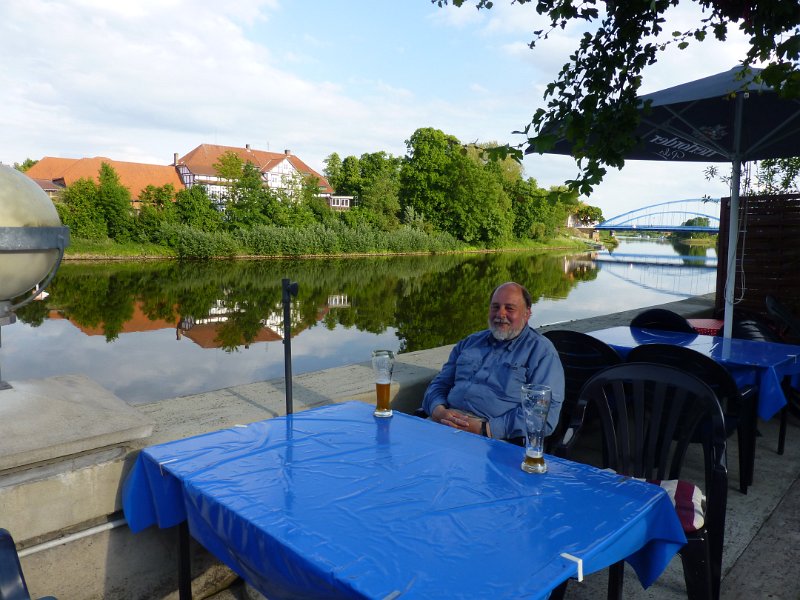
[(194, 208), (79, 210), (114, 200), (588, 215), (26, 164), (779, 176), (773, 176), (333, 170), (192, 243), (229, 166), (250, 203), (452, 190), (592, 102)]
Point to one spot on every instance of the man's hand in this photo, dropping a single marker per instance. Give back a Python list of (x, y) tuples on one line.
[(456, 419)]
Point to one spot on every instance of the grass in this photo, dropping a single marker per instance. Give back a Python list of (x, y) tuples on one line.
[(108, 249)]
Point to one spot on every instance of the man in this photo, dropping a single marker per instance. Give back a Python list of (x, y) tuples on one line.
[(478, 388)]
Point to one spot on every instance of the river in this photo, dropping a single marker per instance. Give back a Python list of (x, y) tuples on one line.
[(159, 329)]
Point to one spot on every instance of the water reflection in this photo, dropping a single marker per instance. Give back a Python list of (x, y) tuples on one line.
[(160, 329)]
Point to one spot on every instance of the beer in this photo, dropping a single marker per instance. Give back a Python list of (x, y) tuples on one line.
[(383, 364), (383, 407), (534, 464)]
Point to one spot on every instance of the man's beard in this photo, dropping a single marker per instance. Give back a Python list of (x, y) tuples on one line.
[(500, 335)]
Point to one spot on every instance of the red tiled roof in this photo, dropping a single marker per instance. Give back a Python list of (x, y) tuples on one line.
[(134, 176), (200, 161)]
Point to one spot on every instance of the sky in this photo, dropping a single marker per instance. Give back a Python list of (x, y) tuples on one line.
[(139, 80)]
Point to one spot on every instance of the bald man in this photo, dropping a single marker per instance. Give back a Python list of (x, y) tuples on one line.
[(478, 388)]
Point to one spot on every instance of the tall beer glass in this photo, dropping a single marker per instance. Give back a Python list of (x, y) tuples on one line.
[(383, 364), (535, 404)]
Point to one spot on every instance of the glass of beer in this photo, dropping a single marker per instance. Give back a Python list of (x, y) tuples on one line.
[(535, 404), (383, 364)]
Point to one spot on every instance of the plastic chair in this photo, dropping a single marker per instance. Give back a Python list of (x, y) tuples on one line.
[(661, 318), (778, 311), (738, 405), (12, 581), (582, 357), (649, 416), (752, 327)]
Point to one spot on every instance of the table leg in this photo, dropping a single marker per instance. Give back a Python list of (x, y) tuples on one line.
[(184, 563)]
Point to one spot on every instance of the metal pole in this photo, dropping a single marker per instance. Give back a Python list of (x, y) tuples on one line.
[(733, 222), (288, 290)]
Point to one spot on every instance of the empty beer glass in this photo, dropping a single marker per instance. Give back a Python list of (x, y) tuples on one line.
[(535, 404), (383, 364)]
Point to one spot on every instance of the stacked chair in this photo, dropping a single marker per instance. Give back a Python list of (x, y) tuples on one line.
[(582, 357), (650, 414), (12, 581), (663, 319)]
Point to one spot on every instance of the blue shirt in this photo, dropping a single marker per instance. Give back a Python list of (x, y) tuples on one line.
[(483, 376)]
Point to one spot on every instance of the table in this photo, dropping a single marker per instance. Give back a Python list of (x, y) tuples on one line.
[(764, 364), (335, 503)]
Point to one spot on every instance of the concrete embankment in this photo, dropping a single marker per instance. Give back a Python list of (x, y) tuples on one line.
[(65, 513)]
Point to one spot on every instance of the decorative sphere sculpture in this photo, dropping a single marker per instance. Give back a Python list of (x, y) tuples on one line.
[(32, 240)]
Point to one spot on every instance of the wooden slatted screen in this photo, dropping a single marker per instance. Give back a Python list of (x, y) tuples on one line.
[(768, 259)]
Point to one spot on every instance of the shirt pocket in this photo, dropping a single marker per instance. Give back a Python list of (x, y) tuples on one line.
[(467, 364), (517, 375)]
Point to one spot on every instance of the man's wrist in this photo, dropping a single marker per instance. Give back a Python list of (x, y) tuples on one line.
[(484, 429)]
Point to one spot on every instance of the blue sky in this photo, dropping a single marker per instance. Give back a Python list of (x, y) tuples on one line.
[(140, 80)]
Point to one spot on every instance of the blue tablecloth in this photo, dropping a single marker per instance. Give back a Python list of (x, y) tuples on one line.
[(335, 503), (764, 364)]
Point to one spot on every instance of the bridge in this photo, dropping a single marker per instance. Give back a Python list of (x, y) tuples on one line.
[(667, 216)]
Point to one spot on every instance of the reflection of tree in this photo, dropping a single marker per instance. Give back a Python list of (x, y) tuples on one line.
[(684, 249), (415, 294)]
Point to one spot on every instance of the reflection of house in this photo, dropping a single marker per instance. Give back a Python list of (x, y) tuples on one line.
[(139, 321), (279, 171), (134, 176), (206, 335), (338, 301)]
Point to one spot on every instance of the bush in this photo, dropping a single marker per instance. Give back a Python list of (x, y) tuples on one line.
[(192, 243)]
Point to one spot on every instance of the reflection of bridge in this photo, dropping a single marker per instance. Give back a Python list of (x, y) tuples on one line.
[(679, 280), (668, 216)]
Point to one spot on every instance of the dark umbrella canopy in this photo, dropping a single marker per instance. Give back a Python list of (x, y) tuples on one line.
[(726, 117), (697, 121)]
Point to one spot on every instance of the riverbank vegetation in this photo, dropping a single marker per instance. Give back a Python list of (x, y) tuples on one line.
[(442, 196)]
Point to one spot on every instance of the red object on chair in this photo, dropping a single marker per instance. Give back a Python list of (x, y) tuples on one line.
[(706, 326)]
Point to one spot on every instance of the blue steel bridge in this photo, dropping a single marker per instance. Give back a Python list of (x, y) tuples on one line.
[(667, 216)]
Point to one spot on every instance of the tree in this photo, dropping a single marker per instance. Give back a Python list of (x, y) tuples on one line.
[(453, 191), (195, 209), (114, 200), (350, 178), (26, 164), (79, 210), (333, 170), (250, 203), (587, 215), (592, 101), (229, 166), (379, 188)]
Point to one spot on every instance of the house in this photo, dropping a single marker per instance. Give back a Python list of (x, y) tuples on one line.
[(134, 176), (279, 171)]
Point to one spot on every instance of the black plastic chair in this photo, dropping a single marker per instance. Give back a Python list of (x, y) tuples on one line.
[(661, 318), (790, 324), (751, 327), (649, 415), (582, 357), (12, 581), (738, 405)]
